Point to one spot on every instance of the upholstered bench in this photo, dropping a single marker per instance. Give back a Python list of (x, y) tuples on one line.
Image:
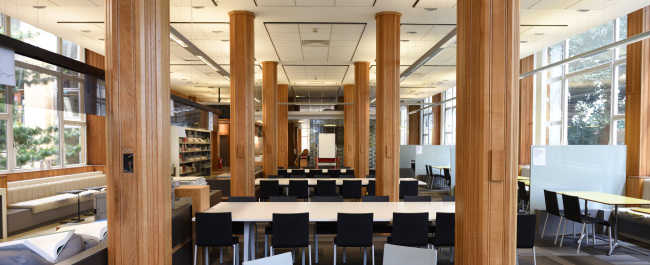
[(633, 224)]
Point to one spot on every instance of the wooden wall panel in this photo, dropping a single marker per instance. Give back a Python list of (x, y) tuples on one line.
[(95, 59), (414, 126), (283, 126), (270, 116), (138, 125), (50, 173), (350, 127), (436, 126), (362, 112), (637, 101), (388, 113), (526, 92), (96, 140), (487, 124), (242, 82)]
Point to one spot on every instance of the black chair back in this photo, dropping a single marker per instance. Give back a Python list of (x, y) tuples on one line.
[(351, 189), (375, 199), (354, 230), (417, 198), (572, 208), (272, 176), (283, 198), (269, 188), (371, 187), (521, 191), (290, 230), (299, 188), (408, 188), (445, 230), (326, 188), (213, 229), (410, 229), (552, 206), (526, 230), (241, 199), (326, 199)]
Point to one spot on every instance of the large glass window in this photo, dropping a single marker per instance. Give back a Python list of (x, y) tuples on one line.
[(427, 122), (589, 108), (449, 118), (590, 40), (404, 125)]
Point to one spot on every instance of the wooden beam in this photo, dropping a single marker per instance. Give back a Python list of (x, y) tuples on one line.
[(436, 116), (362, 112), (138, 126), (242, 82), (487, 123), (526, 92), (95, 59), (388, 113), (637, 100), (283, 126), (270, 116), (414, 126), (350, 127)]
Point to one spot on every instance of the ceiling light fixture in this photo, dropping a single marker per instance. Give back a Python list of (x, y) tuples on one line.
[(225, 40), (39, 7), (404, 40), (85, 31), (217, 31), (177, 40), (329, 125), (539, 34), (430, 9), (411, 32), (583, 10), (198, 7)]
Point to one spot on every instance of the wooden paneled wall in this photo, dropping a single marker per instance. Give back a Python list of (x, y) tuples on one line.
[(487, 123), (436, 116), (414, 126), (526, 92), (637, 101)]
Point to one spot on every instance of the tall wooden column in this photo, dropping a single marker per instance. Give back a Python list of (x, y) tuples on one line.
[(350, 126), (270, 116), (436, 116), (242, 81), (487, 123), (283, 126), (526, 91), (414, 126), (138, 125), (362, 114), (637, 101), (388, 114)]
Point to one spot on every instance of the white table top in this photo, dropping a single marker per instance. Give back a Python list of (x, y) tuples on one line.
[(339, 181), (327, 211)]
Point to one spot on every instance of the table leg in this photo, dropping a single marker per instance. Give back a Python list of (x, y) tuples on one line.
[(613, 246), (253, 236), (247, 232)]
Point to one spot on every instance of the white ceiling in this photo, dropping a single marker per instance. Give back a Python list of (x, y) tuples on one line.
[(331, 34)]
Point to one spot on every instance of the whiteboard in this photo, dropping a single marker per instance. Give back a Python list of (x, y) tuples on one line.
[(326, 145)]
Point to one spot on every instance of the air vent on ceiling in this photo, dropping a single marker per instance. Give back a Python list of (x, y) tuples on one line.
[(316, 43)]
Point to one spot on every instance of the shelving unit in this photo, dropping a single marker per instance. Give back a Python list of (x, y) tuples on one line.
[(194, 153)]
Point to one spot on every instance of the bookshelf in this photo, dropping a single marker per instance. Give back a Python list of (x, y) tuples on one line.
[(194, 149)]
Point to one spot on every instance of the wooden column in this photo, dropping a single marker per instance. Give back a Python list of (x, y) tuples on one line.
[(487, 123), (388, 114), (283, 126), (350, 126), (436, 126), (362, 118), (526, 91), (414, 126), (270, 116), (138, 126), (242, 82), (637, 101)]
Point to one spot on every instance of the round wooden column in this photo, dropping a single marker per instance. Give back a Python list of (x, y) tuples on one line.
[(283, 126), (388, 113), (350, 126), (362, 117), (242, 82), (270, 116), (487, 128)]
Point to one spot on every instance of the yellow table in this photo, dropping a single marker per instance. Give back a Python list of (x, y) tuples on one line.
[(525, 180), (608, 199)]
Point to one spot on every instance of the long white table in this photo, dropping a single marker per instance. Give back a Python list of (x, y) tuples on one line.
[(339, 181), (251, 213)]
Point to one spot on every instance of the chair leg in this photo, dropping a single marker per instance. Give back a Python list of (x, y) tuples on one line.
[(196, 249), (266, 245), (303, 256), (517, 256), (564, 232), (234, 254), (372, 252), (557, 231), (534, 257), (452, 255), (582, 235), (316, 245), (609, 232), (544, 229), (309, 253), (364, 256), (220, 256), (271, 249), (206, 256), (344, 256), (334, 257)]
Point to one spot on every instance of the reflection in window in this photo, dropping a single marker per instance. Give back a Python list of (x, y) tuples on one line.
[(590, 40), (33, 35), (589, 108), (71, 99), (72, 141), (620, 91)]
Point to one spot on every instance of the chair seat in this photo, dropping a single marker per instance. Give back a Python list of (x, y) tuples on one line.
[(235, 240), (347, 244), (238, 228), (326, 228), (390, 241), (434, 241), (382, 227)]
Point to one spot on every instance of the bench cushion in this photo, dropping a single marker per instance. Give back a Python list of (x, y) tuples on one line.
[(52, 202)]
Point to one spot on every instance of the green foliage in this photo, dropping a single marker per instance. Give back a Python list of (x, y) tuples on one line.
[(71, 137), (34, 144)]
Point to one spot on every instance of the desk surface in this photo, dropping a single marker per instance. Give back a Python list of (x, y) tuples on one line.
[(327, 211), (441, 167), (605, 198), (339, 181)]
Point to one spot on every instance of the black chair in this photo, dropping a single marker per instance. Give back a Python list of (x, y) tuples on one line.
[(215, 230), (299, 188), (410, 229), (375, 199), (283, 198), (444, 235), (417, 198), (291, 231), (408, 188), (371, 187), (238, 227), (552, 208), (351, 189), (354, 230), (326, 188), (272, 176), (526, 233), (573, 213), (269, 188), (324, 228), (524, 196)]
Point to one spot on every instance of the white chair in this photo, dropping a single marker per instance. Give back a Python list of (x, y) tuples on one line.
[(396, 255), (281, 259)]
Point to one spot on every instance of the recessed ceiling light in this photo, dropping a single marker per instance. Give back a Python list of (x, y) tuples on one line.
[(217, 31), (524, 41), (411, 32), (225, 40), (405, 40), (39, 7), (85, 31), (583, 10), (198, 7), (101, 39), (430, 9)]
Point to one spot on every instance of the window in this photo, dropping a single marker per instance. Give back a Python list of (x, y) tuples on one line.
[(427, 121), (404, 125), (449, 118)]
